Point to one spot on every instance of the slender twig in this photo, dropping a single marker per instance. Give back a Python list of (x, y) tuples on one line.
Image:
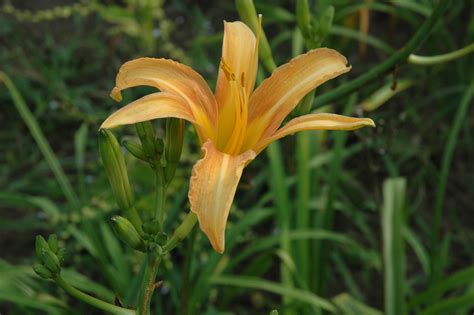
[(399, 56)]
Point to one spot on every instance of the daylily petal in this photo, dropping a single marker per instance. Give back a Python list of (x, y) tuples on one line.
[(153, 106), (320, 121), (278, 95), (212, 189), (239, 56), (172, 77)]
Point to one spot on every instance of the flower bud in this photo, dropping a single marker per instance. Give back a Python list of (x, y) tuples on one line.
[(160, 146), (127, 232), (40, 246), (135, 149), (174, 145), (114, 164), (61, 254), (50, 260), (325, 23), (147, 137), (53, 243), (42, 271), (303, 17)]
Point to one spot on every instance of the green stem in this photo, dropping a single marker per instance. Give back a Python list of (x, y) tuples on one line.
[(41, 141), (160, 195), (114, 309), (399, 56), (181, 232), (431, 60), (149, 283)]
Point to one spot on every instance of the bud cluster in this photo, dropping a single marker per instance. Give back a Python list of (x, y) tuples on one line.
[(49, 257)]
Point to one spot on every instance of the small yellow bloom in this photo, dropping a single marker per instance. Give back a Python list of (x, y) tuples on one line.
[(236, 123)]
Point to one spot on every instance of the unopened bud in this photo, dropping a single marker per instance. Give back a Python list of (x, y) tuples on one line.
[(325, 23), (61, 254), (147, 137), (127, 232), (174, 145), (114, 164), (42, 271), (50, 261), (135, 149), (303, 17), (40, 246), (159, 146), (53, 243)]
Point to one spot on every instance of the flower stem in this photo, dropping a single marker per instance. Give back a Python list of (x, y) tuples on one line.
[(154, 262), (181, 232), (114, 309), (399, 56), (431, 60)]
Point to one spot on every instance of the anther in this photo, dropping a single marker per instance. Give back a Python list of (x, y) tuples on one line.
[(227, 71)]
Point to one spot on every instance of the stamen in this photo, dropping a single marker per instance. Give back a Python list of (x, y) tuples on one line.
[(227, 71), (242, 79)]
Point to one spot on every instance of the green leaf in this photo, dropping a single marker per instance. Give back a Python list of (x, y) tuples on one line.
[(290, 292), (348, 305), (393, 246)]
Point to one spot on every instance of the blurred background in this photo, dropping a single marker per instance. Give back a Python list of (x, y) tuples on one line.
[(333, 222)]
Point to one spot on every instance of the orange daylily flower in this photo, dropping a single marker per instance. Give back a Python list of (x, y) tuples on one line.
[(236, 123)]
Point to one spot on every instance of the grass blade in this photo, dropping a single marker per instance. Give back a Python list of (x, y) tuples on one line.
[(283, 207), (269, 286), (461, 115), (393, 245), (41, 141)]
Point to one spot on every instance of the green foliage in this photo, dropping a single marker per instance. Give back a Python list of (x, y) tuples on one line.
[(322, 223)]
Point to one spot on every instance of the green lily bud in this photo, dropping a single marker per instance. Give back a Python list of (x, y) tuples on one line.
[(325, 23), (40, 246), (135, 149), (42, 271), (127, 232), (114, 164), (174, 145), (152, 227), (50, 260), (303, 17), (147, 137), (61, 254), (160, 146), (53, 243)]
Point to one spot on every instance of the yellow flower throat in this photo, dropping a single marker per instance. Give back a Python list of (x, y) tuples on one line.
[(240, 99)]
